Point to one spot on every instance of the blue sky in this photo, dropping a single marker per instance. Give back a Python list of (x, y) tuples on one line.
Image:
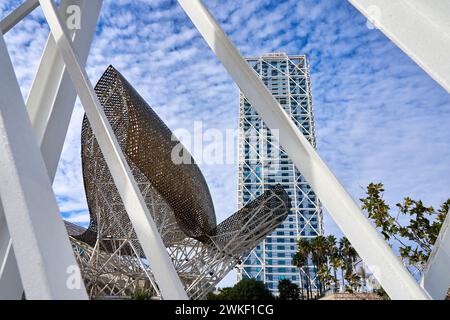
[(379, 117)]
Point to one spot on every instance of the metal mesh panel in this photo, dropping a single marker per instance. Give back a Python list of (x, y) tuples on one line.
[(148, 143), (176, 195), (258, 218)]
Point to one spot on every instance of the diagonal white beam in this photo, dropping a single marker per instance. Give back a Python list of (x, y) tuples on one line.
[(52, 95), (41, 245), (168, 281), (436, 277), (50, 105), (10, 284), (17, 15), (420, 28), (390, 272)]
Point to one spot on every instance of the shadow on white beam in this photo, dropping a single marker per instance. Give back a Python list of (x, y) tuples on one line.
[(39, 238), (163, 269), (436, 277), (17, 15), (420, 28), (51, 87)]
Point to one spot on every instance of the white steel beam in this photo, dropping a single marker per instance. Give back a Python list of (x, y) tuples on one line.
[(144, 225), (17, 15), (52, 95), (50, 105), (390, 272), (436, 276), (39, 238), (420, 28), (11, 285)]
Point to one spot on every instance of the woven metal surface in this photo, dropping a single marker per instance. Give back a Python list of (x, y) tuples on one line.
[(148, 143), (176, 195)]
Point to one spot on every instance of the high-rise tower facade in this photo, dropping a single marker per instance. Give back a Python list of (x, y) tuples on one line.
[(263, 164)]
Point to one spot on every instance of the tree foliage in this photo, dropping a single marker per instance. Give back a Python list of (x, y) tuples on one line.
[(327, 258), (141, 294), (246, 289), (414, 228), (288, 290), (328, 263)]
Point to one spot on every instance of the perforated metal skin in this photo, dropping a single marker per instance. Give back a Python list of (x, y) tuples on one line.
[(261, 216), (176, 195), (186, 205), (148, 143)]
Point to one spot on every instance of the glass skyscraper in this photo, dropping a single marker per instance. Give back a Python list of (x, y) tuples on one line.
[(263, 164)]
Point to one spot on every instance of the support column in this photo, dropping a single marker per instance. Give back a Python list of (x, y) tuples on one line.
[(436, 277), (43, 251), (52, 95), (17, 15), (390, 272), (143, 223), (10, 284), (50, 105), (420, 28)]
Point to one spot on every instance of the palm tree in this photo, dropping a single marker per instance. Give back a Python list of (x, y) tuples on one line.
[(319, 259), (343, 259), (336, 263), (349, 257), (333, 258), (300, 260), (362, 275)]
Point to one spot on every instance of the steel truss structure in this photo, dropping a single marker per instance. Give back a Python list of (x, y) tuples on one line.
[(178, 200), (39, 261), (112, 273), (263, 163)]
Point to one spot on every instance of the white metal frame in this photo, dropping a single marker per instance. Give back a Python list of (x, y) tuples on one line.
[(51, 87), (29, 203), (420, 28), (146, 230), (436, 276), (390, 272), (48, 283), (21, 12), (40, 242)]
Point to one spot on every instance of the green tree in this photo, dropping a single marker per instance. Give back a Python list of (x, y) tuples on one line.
[(223, 294), (246, 289), (319, 253), (353, 282), (416, 237), (382, 294), (348, 257), (329, 257), (288, 290), (325, 278), (300, 260), (333, 259), (141, 294)]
